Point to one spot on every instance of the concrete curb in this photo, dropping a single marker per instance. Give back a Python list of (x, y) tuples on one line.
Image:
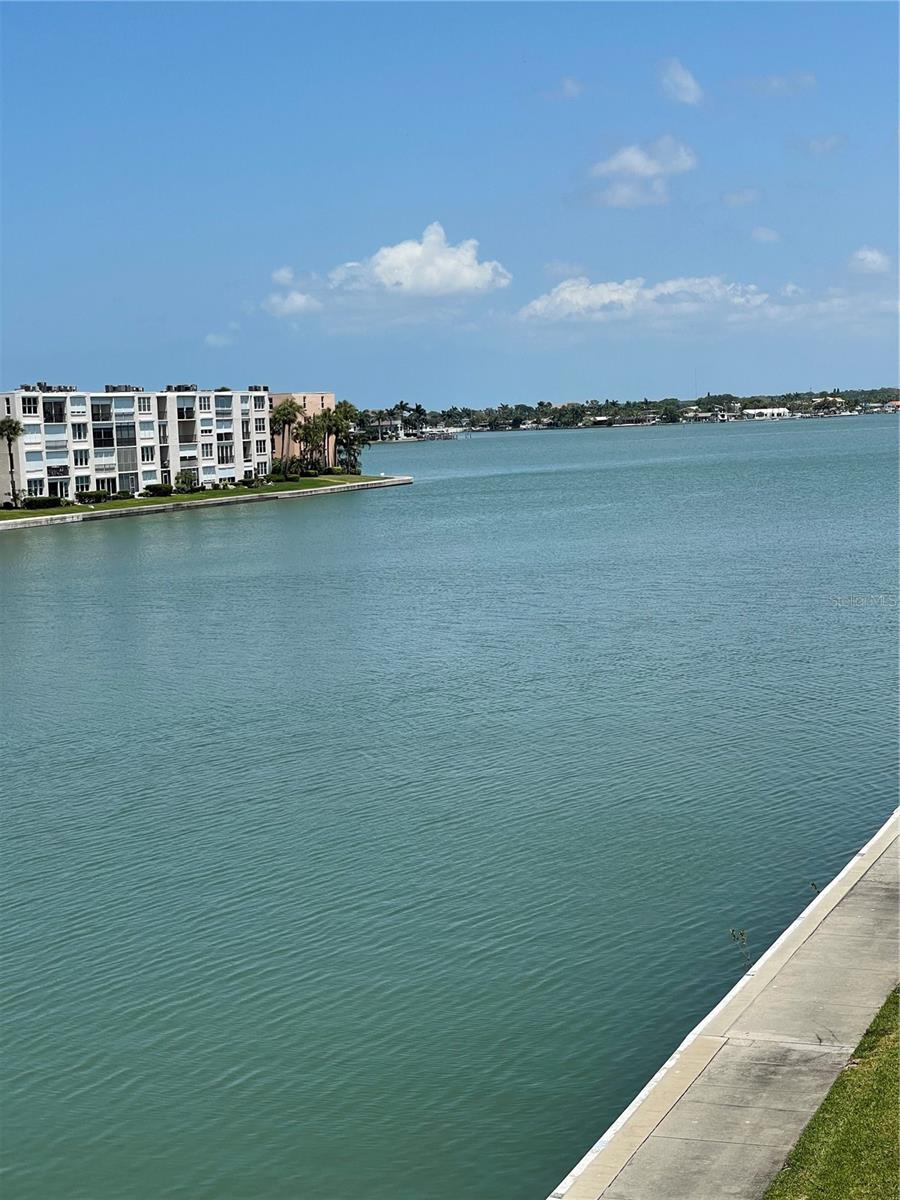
[(144, 510), (602, 1166)]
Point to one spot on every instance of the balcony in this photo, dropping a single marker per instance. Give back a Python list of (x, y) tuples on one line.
[(58, 472)]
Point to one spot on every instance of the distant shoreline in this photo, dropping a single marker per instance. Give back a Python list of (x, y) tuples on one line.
[(463, 434)]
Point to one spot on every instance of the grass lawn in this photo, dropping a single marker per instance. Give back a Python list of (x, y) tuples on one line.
[(7, 514), (849, 1150)]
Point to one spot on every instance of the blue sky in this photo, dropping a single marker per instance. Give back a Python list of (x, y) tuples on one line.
[(664, 197)]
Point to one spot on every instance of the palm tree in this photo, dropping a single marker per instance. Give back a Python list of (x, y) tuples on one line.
[(12, 430), (398, 410), (348, 438), (380, 417), (329, 437), (310, 434), (419, 416), (284, 416)]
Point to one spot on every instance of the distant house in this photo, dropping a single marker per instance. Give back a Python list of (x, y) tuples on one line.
[(766, 414), (693, 413)]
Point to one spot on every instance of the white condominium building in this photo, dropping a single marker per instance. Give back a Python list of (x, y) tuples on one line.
[(123, 438)]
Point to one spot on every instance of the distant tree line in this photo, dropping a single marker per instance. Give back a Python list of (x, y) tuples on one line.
[(379, 424)]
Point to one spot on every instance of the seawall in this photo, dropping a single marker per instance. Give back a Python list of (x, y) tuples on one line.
[(721, 1115), (144, 510)]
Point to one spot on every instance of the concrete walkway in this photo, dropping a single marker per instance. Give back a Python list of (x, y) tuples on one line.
[(717, 1121)]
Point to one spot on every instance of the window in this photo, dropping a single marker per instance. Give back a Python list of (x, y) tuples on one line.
[(259, 424), (144, 404), (35, 487), (146, 428), (204, 403), (101, 410), (54, 411), (8, 406), (82, 457), (79, 432), (148, 454), (167, 476), (262, 468), (125, 434), (261, 447), (29, 406), (206, 449), (103, 435), (259, 403), (245, 399), (82, 483), (164, 433), (225, 455)]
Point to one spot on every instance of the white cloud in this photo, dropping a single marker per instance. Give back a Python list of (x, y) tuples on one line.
[(678, 83), (710, 297), (283, 276), (825, 145), (869, 261), (579, 299), (638, 175), (742, 197), (764, 235), (782, 85), (217, 341), (430, 267), (290, 304), (569, 88)]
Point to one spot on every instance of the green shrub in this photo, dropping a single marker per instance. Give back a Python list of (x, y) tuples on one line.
[(186, 482), (158, 489), (43, 502), (308, 473), (92, 497), (124, 496)]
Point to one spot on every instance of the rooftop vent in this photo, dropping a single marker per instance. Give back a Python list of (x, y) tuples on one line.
[(181, 387), (122, 387), (43, 386)]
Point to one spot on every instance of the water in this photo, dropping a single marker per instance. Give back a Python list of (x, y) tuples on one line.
[(384, 845)]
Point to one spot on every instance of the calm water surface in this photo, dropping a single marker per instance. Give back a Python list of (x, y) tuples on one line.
[(384, 845)]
